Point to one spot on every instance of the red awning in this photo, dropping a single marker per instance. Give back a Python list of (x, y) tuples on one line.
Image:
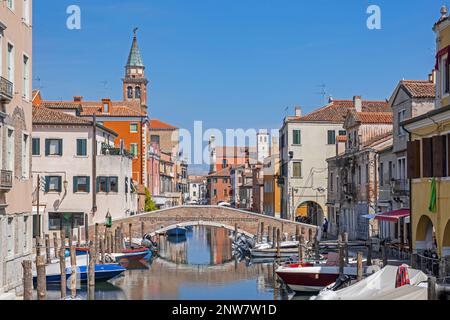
[(393, 216)]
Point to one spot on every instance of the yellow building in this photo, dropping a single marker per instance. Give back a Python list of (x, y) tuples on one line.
[(272, 191), (429, 157)]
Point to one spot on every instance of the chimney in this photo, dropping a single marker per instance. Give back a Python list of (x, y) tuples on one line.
[(106, 105), (357, 103), (77, 98), (432, 77), (298, 111)]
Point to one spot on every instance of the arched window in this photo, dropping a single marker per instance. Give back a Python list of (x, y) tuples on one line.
[(130, 92), (137, 92)]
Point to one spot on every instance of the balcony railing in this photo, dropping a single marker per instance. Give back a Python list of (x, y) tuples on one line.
[(400, 187), (108, 150), (6, 179), (6, 90)]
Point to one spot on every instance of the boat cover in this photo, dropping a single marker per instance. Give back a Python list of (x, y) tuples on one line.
[(381, 286)]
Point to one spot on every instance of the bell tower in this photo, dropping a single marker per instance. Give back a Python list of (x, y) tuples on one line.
[(135, 82)]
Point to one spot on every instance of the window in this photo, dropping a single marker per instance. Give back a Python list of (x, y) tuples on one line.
[(81, 184), (102, 184), (390, 173), (133, 127), (359, 175), (25, 156), (446, 76), (53, 147), (36, 147), (25, 233), (10, 4), (381, 174), (342, 132), (297, 169), (26, 78), (367, 174), (130, 93), (215, 192), (194, 193), (106, 107), (401, 169), (154, 139), (224, 163), (81, 147), (113, 184), (10, 150), (401, 118), (53, 184), (134, 149), (225, 180), (137, 92), (215, 180), (26, 11), (297, 137), (66, 220), (331, 182), (126, 184), (331, 137), (10, 62)]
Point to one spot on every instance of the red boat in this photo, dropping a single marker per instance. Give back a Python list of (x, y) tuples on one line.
[(308, 277)]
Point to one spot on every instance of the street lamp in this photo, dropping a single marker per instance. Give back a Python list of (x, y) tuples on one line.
[(108, 220)]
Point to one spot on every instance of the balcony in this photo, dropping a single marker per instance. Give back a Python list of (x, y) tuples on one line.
[(6, 90), (400, 187), (111, 151), (6, 180)]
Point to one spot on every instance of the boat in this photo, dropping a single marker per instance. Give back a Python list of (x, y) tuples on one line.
[(382, 285), (309, 277), (103, 272), (283, 245), (272, 253), (177, 231), (131, 254)]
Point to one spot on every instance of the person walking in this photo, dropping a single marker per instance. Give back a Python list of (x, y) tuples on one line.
[(325, 228)]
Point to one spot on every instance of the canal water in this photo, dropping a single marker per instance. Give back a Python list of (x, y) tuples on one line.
[(199, 266)]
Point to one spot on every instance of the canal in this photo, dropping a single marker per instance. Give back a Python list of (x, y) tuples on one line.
[(199, 266)]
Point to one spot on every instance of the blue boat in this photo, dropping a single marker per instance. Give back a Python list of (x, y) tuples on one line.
[(103, 272), (177, 232)]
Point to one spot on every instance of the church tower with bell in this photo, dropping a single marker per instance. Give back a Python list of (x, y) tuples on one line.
[(135, 82)]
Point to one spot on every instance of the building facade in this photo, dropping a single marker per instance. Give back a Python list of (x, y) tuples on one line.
[(15, 138), (219, 186), (272, 199)]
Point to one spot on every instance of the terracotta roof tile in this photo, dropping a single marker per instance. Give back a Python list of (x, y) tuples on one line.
[(156, 124), (374, 117), (336, 111), (420, 88), (225, 172)]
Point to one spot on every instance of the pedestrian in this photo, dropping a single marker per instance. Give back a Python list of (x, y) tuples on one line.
[(325, 228)]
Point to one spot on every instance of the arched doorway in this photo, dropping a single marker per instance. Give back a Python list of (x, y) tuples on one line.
[(425, 234), (309, 212), (446, 241)]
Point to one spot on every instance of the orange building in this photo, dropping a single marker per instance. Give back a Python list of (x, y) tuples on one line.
[(219, 186)]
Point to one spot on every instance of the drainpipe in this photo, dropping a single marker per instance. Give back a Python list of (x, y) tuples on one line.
[(410, 200)]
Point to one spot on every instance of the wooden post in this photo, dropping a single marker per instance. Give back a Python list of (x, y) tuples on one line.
[(79, 236), (309, 234), (73, 277), (341, 259), (359, 267), (274, 237), (86, 220), (91, 270), (102, 250), (27, 280), (70, 237), (110, 242), (297, 233), (384, 254), (345, 239), (95, 241), (142, 229), (269, 233), (130, 226), (432, 288), (62, 267), (55, 245), (47, 249), (278, 244), (41, 278), (414, 260), (301, 254), (235, 231), (316, 248), (262, 231), (369, 252), (38, 246), (113, 241), (121, 236)]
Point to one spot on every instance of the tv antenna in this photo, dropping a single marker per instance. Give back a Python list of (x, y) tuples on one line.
[(323, 92), (38, 80)]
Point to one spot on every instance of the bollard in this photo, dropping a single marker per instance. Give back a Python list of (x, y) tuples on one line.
[(41, 278), (130, 233), (79, 236), (359, 267), (278, 244), (27, 280), (47, 249), (91, 270), (73, 267), (62, 268), (432, 288), (345, 239), (55, 245)]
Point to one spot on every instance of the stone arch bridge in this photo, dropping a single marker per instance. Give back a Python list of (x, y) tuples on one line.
[(248, 223)]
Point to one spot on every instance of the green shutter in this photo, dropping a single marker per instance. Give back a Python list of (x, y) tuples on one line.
[(79, 147), (297, 137), (60, 147), (47, 147), (75, 184), (59, 184), (47, 183), (88, 184), (97, 187), (107, 184)]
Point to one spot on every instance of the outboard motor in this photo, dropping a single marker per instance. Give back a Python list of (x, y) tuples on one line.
[(341, 282)]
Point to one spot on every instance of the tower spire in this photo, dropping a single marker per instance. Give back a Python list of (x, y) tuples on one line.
[(135, 58)]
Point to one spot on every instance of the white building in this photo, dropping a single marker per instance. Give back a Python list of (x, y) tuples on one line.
[(305, 144), (62, 149), (262, 146), (197, 188)]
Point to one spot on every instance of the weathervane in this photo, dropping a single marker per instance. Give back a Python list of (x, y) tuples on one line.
[(135, 30)]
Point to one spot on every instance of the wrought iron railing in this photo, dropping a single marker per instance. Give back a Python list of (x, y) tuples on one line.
[(108, 150), (400, 187), (6, 177), (6, 88)]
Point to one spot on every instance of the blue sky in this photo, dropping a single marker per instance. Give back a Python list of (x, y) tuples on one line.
[(233, 64)]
